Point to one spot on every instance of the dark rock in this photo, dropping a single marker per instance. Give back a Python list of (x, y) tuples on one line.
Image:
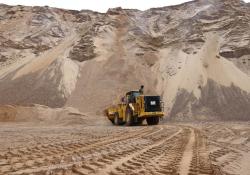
[(84, 49), (237, 53)]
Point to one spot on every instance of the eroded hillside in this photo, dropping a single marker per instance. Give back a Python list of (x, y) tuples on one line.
[(195, 55)]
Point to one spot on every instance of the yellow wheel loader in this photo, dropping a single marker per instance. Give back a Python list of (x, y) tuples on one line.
[(135, 108)]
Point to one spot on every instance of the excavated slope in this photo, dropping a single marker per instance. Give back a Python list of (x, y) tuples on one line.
[(195, 55)]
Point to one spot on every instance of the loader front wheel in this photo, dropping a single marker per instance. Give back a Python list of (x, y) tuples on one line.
[(129, 118), (117, 120), (139, 121)]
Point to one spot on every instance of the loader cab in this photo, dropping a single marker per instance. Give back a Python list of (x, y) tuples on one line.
[(131, 96)]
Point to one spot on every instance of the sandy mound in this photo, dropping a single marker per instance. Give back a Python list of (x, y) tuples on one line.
[(195, 55), (42, 115)]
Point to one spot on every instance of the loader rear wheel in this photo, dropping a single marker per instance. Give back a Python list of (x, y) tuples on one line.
[(129, 118), (153, 120)]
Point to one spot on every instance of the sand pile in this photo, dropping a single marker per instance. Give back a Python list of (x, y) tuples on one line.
[(195, 55), (42, 115)]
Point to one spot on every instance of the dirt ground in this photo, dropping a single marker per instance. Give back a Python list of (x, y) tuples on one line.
[(168, 148)]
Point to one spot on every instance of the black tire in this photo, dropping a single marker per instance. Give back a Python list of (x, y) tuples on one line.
[(117, 120), (153, 120), (139, 121), (129, 118)]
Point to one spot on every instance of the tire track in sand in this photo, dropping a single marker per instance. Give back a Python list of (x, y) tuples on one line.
[(121, 162), (53, 157), (188, 155), (163, 149)]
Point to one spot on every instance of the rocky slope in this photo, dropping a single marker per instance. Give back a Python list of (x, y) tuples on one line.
[(195, 55)]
